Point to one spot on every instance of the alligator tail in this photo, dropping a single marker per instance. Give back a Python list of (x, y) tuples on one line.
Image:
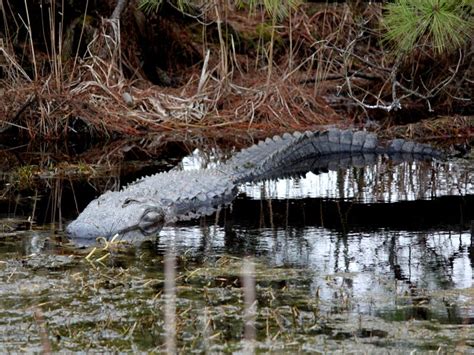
[(275, 153)]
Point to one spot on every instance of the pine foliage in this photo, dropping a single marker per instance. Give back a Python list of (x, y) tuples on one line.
[(276, 8), (443, 25)]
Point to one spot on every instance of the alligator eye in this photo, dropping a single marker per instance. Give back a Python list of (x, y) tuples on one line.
[(152, 216), (151, 222)]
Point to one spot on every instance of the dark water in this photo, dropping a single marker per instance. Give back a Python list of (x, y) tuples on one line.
[(366, 260)]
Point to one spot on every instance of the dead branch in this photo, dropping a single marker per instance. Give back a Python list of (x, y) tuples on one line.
[(396, 97), (118, 9)]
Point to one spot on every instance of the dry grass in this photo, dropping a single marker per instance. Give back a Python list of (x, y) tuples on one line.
[(442, 129), (305, 72)]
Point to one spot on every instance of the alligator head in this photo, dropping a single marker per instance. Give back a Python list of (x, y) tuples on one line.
[(117, 213)]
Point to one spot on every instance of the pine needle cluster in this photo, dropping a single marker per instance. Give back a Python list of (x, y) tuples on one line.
[(275, 8), (443, 25)]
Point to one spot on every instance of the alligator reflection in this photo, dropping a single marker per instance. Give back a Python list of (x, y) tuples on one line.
[(382, 271)]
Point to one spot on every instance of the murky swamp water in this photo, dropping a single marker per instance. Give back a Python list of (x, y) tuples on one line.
[(370, 259)]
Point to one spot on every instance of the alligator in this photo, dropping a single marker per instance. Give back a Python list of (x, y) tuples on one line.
[(142, 208)]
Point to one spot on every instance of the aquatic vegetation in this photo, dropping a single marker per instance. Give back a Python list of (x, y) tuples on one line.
[(119, 305), (24, 176)]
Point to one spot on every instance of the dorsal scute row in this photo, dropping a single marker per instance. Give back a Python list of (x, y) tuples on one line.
[(250, 157), (199, 185), (272, 153)]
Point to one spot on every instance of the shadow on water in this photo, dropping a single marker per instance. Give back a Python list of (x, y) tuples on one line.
[(368, 259)]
